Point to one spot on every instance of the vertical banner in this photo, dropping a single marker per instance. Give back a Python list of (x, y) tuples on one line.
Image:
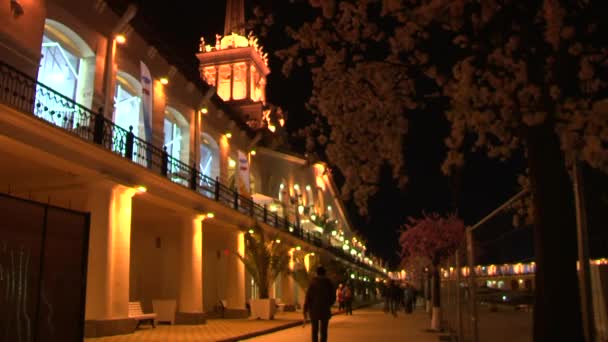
[(147, 90), (243, 173)]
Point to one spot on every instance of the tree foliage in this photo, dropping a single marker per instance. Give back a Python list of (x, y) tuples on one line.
[(431, 237), (502, 65)]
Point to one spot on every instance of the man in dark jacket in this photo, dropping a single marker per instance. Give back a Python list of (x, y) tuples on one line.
[(320, 296)]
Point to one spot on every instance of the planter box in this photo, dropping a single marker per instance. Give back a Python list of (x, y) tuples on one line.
[(262, 308)]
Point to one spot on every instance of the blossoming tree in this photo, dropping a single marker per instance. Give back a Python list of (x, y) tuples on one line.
[(517, 76), (432, 237)]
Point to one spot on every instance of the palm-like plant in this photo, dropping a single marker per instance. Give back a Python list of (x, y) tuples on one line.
[(264, 259), (300, 274)]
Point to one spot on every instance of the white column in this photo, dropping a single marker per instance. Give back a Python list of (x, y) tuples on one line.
[(191, 289), (236, 275), (109, 252)]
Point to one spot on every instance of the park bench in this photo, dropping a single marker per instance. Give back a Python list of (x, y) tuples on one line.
[(137, 314)]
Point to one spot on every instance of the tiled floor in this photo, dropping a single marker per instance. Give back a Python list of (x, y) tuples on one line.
[(214, 330)]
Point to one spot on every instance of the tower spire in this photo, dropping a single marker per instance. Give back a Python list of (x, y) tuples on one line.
[(235, 17)]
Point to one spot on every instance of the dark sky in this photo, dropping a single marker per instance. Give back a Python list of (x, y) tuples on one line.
[(175, 28)]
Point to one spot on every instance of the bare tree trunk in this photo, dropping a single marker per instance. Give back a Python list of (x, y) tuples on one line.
[(557, 314)]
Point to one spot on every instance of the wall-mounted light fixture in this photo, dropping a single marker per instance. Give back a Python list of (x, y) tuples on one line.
[(120, 39)]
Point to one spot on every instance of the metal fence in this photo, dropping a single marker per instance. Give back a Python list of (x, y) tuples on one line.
[(487, 284), (25, 94)]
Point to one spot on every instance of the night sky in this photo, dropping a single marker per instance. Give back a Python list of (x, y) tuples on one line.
[(175, 28)]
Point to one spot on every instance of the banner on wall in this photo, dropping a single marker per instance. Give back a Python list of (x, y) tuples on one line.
[(243, 173), (147, 91)]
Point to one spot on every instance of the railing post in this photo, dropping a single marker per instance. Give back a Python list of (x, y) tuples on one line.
[(193, 178), (236, 199), (265, 213), (217, 188), (129, 143), (276, 220), (252, 207), (165, 162), (98, 127)]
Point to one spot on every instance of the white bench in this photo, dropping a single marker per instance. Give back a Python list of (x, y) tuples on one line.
[(136, 313)]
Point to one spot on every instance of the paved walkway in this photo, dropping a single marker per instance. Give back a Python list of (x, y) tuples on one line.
[(364, 325), (214, 330)]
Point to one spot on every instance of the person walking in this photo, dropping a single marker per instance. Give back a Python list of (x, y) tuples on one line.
[(320, 296), (395, 295), (347, 294), (340, 297)]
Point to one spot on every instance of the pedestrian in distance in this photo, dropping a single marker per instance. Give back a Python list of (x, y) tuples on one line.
[(395, 296), (347, 294), (320, 296), (340, 297)]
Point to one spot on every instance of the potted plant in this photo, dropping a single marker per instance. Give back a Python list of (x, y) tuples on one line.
[(264, 259)]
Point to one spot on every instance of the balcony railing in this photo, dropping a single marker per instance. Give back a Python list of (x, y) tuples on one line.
[(25, 94)]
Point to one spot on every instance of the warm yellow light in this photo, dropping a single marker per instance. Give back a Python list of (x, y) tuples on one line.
[(312, 254), (272, 128), (228, 135), (301, 209), (121, 39), (251, 231), (253, 152), (231, 163), (298, 248), (277, 240), (164, 81), (329, 207), (308, 188), (204, 110), (141, 189), (210, 215), (273, 208), (296, 187), (313, 217)]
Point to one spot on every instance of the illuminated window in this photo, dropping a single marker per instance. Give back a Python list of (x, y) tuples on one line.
[(210, 158), (239, 82), (67, 66), (223, 87), (176, 141), (127, 104)]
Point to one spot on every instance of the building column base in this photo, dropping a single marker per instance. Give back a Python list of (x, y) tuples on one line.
[(190, 318), (109, 327)]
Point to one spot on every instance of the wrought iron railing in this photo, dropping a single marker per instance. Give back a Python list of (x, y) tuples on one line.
[(25, 94)]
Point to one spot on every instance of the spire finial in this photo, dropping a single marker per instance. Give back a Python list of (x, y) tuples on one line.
[(235, 17)]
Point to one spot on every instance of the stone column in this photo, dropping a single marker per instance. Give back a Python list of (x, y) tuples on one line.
[(288, 290), (107, 302), (236, 276), (190, 307)]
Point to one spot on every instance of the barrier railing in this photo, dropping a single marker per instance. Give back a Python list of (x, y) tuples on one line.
[(27, 95)]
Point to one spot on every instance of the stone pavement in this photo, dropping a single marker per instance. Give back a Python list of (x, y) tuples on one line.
[(214, 330), (364, 325)]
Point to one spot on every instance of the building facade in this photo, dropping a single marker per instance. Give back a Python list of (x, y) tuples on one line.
[(93, 119)]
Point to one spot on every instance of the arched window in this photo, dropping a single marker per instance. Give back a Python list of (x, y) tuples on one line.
[(127, 104), (210, 157), (176, 135), (176, 141), (67, 66)]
